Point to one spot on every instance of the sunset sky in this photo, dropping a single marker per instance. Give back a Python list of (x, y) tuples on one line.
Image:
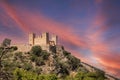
[(89, 29)]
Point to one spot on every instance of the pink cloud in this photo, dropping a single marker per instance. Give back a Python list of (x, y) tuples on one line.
[(98, 1), (101, 51), (15, 39), (12, 13), (33, 21)]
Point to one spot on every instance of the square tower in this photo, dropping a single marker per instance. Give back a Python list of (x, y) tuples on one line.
[(55, 39), (31, 38), (45, 38)]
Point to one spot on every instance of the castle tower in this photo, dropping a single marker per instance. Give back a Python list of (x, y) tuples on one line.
[(45, 38), (31, 38), (55, 39)]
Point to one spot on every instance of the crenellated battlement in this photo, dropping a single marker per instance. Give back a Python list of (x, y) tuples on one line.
[(43, 39)]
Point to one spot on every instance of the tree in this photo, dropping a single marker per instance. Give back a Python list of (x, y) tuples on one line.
[(6, 42), (51, 77), (39, 61), (21, 74), (80, 75), (61, 69), (14, 48), (66, 53), (36, 50), (73, 62), (53, 49), (27, 66), (44, 55), (69, 78), (90, 78), (4, 49)]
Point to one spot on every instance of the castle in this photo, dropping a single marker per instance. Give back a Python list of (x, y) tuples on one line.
[(44, 40)]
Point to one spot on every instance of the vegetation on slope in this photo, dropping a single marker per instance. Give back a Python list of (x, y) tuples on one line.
[(38, 64)]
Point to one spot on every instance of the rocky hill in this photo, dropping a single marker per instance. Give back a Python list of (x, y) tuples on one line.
[(38, 64)]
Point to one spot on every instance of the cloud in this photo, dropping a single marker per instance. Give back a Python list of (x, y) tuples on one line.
[(98, 1), (15, 39), (111, 62), (102, 51), (12, 13), (33, 21), (110, 9)]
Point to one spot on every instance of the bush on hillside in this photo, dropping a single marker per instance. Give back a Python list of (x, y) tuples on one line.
[(44, 55), (39, 61), (66, 53), (73, 62), (14, 48), (36, 50), (53, 49), (21, 74)]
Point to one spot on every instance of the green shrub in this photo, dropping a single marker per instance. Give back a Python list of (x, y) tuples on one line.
[(80, 75), (73, 62), (45, 55), (51, 77), (14, 48), (41, 77), (65, 53), (27, 66), (91, 74), (21, 74), (61, 69), (6, 42), (36, 50), (39, 61), (53, 49), (90, 78), (47, 77), (33, 58), (18, 54), (38, 70), (69, 78)]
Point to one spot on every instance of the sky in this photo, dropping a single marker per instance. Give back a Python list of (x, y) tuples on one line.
[(89, 29)]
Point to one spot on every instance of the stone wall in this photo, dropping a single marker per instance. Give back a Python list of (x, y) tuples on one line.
[(27, 47), (43, 39), (23, 47)]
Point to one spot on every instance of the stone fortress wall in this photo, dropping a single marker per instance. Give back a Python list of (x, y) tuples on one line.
[(23, 47), (43, 40)]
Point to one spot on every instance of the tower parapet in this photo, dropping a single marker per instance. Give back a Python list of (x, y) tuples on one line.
[(31, 38), (42, 40), (55, 39), (45, 38)]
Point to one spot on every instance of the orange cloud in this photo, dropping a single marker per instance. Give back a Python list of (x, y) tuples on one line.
[(101, 51), (111, 62)]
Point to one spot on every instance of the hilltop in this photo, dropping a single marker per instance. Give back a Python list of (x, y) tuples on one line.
[(39, 64)]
